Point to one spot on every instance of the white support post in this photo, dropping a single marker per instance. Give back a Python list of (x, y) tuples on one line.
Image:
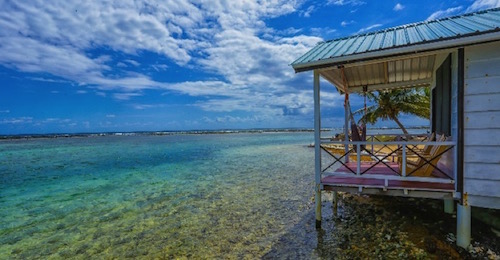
[(317, 148), (463, 225)]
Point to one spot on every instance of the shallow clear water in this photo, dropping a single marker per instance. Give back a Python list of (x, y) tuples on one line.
[(225, 195)]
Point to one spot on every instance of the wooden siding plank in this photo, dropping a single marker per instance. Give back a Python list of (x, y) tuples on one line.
[(484, 85), (482, 51), (482, 137), (482, 154), (476, 103), (484, 202), (482, 187), (483, 120), (483, 171), (482, 69)]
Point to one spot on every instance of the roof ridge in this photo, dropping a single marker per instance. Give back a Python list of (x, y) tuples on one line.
[(413, 24)]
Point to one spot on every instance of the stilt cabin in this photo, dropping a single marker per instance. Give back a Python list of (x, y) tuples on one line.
[(459, 59)]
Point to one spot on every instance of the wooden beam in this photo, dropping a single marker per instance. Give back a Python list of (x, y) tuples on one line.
[(402, 84)]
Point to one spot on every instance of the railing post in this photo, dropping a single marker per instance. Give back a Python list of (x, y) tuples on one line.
[(373, 140), (358, 158), (317, 148), (403, 163)]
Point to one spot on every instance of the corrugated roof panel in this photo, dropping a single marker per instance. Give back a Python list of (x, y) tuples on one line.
[(355, 45), (388, 39), (317, 51), (474, 26), (307, 56), (482, 22), (401, 37), (366, 43), (494, 16), (345, 47), (376, 42), (426, 32), (456, 28), (328, 47), (334, 50), (440, 30), (413, 35)]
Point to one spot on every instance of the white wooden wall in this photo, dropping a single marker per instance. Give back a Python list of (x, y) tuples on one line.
[(482, 125)]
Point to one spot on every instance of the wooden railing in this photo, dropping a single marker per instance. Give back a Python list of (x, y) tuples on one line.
[(388, 153)]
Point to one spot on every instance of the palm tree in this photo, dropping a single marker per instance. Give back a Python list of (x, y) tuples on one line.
[(388, 105)]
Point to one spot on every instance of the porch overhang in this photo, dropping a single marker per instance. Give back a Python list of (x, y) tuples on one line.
[(403, 67), (398, 72)]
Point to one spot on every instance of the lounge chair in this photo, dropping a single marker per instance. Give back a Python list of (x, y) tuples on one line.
[(427, 161), (427, 148)]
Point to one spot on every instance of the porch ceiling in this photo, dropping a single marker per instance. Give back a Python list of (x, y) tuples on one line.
[(383, 74)]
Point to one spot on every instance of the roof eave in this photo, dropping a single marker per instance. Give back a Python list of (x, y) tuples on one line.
[(417, 48)]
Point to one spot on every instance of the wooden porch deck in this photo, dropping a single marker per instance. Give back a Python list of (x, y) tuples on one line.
[(365, 183)]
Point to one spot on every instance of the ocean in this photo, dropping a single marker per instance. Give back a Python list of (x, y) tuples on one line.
[(196, 196)]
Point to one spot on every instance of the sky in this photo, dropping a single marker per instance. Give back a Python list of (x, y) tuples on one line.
[(72, 66)]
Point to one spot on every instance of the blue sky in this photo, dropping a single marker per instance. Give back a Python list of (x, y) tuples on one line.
[(91, 66)]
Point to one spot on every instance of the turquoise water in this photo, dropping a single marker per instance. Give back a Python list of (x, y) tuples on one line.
[(200, 196)]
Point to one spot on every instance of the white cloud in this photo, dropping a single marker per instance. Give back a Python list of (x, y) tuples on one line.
[(346, 2), (110, 116), (147, 106), (100, 93), (17, 120), (5, 111), (323, 31), (223, 38), (159, 67), (398, 7), (308, 11), (373, 26), (132, 62), (483, 4), (346, 23), (444, 13), (125, 96)]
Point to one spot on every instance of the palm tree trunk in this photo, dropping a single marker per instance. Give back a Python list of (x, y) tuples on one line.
[(400, 125)]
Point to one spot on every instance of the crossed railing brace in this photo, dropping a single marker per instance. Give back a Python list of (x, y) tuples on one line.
[(339, 159)]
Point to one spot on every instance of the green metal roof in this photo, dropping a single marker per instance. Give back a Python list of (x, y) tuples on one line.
[(415, 34)]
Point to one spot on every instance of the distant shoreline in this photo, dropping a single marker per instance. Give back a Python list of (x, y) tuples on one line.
[(187, 132)]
